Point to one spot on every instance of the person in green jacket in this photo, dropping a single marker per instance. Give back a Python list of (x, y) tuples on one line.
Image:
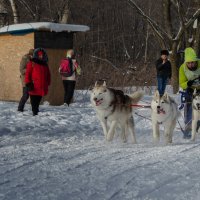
[(189, 79), (25, 59)]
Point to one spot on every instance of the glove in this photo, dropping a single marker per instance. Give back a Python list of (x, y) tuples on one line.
[(30, 86), (190, 82)]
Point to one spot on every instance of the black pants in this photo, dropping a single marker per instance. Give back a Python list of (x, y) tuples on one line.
[(69, 87), (35, 102), (23, 99)]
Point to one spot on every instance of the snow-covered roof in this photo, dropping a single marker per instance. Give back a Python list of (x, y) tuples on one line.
[(47, 26)]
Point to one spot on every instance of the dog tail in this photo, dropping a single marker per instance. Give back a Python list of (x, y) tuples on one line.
[(136, 96)]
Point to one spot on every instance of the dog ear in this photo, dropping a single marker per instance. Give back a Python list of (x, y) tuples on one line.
[(90, 88), (95, 85), (156, 95), (104, 83), (166, 96), (195, 92)]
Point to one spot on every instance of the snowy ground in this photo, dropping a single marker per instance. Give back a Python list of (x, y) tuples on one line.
[(61, 155)]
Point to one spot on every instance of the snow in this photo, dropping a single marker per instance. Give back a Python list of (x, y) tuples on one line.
[(44, 26), (61, 154)]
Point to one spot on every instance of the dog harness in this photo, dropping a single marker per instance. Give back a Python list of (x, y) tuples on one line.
[(106, 117)]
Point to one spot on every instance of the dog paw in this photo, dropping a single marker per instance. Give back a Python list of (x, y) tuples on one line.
[(108, 139), (124, 141)]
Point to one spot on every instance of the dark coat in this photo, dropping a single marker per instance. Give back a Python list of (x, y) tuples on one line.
[(163, 70), (39, 74)]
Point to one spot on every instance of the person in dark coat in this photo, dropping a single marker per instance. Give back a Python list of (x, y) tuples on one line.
[(25, 59), (164, 72), (37, 78)]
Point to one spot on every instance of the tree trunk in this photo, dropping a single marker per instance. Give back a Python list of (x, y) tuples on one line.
[(3, 13), (65, 14), (146, 43), (167, 17), (197, 38), (15, 11), (38, 11), (175, 68)]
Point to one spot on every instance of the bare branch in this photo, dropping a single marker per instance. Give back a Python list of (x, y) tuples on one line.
[(187, 25), (27, 8), (107, 61), (158, 30), (125, 49), (180, 13)]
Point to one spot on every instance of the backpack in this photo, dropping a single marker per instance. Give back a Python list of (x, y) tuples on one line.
[(66, 67)]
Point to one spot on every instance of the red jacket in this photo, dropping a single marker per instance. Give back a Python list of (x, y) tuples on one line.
[(40, 76)]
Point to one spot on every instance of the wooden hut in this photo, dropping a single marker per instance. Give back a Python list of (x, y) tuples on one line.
[(16, 40)]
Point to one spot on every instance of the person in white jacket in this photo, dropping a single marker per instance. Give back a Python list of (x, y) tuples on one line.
[(69, 82)]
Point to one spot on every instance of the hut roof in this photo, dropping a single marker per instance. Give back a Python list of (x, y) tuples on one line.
[(43, 26)]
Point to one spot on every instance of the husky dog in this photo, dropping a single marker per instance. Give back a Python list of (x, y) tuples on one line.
[(113, 109), (195, 113), (164, 112)]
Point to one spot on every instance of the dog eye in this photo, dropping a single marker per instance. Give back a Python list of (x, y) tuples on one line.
[(156, 101), (104, 91)]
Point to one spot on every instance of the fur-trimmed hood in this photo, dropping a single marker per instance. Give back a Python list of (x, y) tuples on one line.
[(36, 59)]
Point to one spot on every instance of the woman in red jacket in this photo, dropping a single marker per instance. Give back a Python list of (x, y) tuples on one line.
[(37, 78)]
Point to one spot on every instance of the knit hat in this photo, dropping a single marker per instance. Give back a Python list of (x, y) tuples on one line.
[(70, 53), (164, 52), (190, 55)]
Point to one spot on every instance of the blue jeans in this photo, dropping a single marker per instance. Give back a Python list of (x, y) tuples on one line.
[(162, 82), (188, 114)]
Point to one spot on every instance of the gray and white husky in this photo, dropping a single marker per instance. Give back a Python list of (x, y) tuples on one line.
[(195, 113), (164, 112), (114, 109)]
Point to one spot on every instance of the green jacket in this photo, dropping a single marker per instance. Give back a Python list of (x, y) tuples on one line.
[(183, 77), (25, 59)]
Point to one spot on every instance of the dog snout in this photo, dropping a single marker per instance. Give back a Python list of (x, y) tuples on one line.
[(198, 104), (95, 99), (158, 107)]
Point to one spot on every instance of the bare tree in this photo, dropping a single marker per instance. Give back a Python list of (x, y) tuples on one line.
[(65, 12), (15, 11), (169, 37), (120, 42), (196, 31), (27, 7), (3, 13)]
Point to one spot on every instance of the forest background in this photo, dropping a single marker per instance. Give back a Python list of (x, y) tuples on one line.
[(125, 36)]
